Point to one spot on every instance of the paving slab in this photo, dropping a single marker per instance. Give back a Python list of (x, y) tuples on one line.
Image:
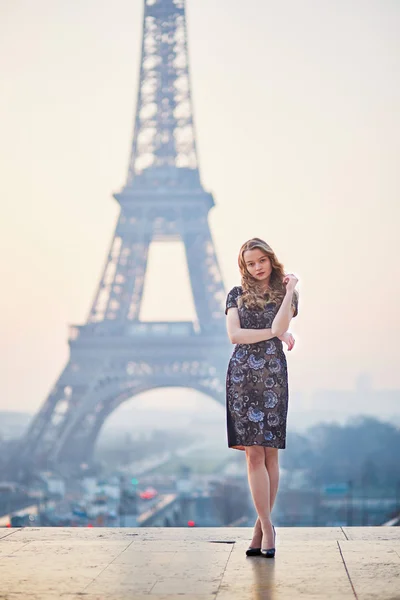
[(198, 563), (7, 531), (373, 567), (372, 533)]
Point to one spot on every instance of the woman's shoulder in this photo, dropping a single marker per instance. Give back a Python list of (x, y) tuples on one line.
[(232, 298), (236, 290)]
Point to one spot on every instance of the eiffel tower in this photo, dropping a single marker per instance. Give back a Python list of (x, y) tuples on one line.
[(114, 355)]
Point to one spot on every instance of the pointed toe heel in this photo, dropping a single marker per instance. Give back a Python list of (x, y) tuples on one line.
[(253, 551), (268, 553)]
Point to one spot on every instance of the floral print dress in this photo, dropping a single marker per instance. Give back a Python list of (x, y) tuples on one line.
[(257, 382)]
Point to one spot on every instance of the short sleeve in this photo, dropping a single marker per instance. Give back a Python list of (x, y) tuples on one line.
[(295, 303), (231, 299)]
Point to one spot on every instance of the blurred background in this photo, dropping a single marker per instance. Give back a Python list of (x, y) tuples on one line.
[(297, 128)]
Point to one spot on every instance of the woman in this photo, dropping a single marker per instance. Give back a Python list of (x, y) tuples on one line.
[(258, 317)]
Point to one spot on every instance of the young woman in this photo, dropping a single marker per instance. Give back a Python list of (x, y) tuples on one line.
[(258, 317)]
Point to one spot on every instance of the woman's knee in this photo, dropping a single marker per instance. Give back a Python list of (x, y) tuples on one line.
[(255, 456), (271, 456)]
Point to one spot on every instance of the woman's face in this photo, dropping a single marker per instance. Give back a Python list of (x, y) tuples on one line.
[(258, 264)]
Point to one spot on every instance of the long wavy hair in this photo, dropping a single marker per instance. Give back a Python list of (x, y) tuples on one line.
[(253, 295)]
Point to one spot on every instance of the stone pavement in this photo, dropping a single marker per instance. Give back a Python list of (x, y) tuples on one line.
[(198, 564)]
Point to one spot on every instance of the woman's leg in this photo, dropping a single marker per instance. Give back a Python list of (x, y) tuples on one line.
[(260, 490), (272, 465)]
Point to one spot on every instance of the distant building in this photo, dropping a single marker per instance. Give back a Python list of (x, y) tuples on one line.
[(382, 404), (338, 405)]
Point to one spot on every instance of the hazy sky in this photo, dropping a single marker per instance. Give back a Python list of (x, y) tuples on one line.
[(297, 116)]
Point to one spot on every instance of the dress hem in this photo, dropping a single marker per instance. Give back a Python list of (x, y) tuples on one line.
[(242, 447)]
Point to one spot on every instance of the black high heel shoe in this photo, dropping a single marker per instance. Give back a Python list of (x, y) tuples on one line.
[(269, 552), (253, 551)]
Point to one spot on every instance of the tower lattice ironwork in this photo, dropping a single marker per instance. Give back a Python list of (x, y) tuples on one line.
[(114, 355)]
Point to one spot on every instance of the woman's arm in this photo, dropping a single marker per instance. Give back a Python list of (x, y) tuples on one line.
[(239, 335), (281, 322)]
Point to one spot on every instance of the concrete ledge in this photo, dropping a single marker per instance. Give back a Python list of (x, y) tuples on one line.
[(169, 563)]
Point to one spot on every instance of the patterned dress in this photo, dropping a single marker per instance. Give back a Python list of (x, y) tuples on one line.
[(257, 382)]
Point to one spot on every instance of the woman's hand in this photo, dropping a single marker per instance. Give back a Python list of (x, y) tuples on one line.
[(288, 339), (290, 281)]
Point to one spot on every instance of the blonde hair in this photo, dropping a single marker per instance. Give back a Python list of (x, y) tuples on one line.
[(253, 295)]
